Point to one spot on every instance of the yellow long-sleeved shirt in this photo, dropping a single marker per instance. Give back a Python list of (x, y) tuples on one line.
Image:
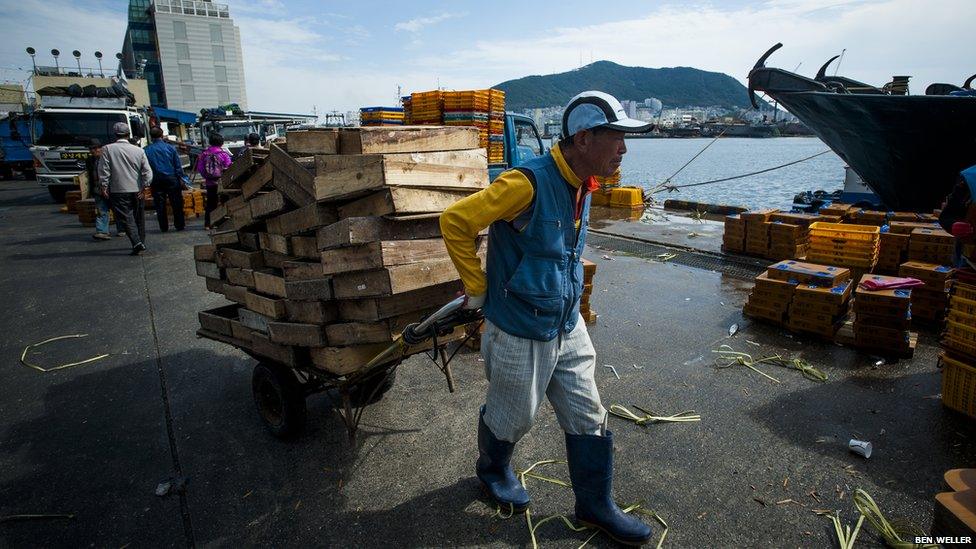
[(507, 197)]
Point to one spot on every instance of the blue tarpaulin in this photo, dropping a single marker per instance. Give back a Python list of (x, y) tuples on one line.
[(182, 117)]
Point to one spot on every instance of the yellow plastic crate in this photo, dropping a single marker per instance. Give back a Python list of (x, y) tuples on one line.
[(830, 246), (958, 385), (817, 257), (845, 231), (626, 197), (960, 332), (963, 305), (964, 291)]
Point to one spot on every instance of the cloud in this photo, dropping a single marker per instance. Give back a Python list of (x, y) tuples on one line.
[(419, 23)]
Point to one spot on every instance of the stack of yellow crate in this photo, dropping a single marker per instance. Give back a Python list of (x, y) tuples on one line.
[(868, 217), (882, 319), (496, 127), (959, 345), (772, 296), (787, 241), (892, 252), (837, 209), (757, 231), (427, 108), (852, 246), (819, 310), (589, 270), (406, 103)]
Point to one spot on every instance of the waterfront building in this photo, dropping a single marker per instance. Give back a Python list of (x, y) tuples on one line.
[(189, 52)]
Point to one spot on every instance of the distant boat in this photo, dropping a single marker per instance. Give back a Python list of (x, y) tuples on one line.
[(738, 128), (909, 149)]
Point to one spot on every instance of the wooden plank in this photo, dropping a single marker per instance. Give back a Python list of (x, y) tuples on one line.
[(309, 290), (268, 306), (373, 140), (306, 218), (393, 280), (291, 356), (208, 270), (267, 204), (241, 217), (306, 247), (237, 294), (346, 360), (274, 242), (218, 320), (276, 260), (362, 230), (269, 282), (385, 253), (344, 177), (205, 252), (249, 240), (383, 331), (240, 277), (244, 259), (372, 309), (214, 285), (311, 312), (292, 178), (240, 331), (254, 321), (402, 201), (312, 142), (302, 270), (234, 174), (291, 333), (219, 216), (225, 238), (258, 181)]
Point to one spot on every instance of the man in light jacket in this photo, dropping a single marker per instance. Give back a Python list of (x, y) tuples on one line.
[(123, 175)]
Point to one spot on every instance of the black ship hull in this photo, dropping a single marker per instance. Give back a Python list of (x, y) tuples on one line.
[(909, 149)]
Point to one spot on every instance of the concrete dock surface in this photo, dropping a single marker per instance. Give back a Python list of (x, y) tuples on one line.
[(96, 440)]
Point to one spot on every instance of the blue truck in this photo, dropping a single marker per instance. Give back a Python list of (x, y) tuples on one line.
[(15, 142), (522, 142)]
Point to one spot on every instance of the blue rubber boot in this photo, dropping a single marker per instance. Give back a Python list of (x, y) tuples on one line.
[(495, 471), (591, 470)]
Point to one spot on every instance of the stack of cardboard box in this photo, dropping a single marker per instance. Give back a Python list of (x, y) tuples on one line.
[(837, 209), (868, 217), (852, 246), (775, 291), (734, 237), (929, 302), (882, 319), (820, 310), (589, 270), (892, 253), (959, 339), (757, 231), (932, 245), (787, 241)]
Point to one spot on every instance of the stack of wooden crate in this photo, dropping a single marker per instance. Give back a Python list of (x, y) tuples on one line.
[(892, 251), (838, 210), (787, 241), (959, 339), (820, 310), (931, 245), (757, 231), (71, 199), (331, 248), (868, 217), (87, 211), (734, 236), (852, 246), (774, 294)]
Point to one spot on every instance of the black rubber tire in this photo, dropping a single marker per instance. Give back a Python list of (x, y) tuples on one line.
[(29, 175), (364, 395), (280, 400), (58, 192)]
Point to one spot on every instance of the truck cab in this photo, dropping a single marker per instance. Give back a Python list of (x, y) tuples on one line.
[(522, 142), (15, 141), (61, 138)]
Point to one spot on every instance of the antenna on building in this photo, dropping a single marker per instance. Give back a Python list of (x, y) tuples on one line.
[(98, 55), (32, 52), (56, 53), (77, 55)]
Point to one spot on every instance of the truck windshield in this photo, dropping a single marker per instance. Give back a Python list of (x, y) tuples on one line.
[(235, 133), (74, 128)]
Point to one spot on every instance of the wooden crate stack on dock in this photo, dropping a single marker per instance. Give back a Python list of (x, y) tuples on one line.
[(757, 231), (87, 211), (787, 241), (959, 338), (868, 217), (892, 252), (329, 256), (820, 310), (838, 210), (882, 319), (381, 116), (931, 245), (852, 246), (734, 236), (929, 302), (589, 271)]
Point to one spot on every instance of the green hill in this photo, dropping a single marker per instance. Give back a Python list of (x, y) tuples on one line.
[(677, 86)]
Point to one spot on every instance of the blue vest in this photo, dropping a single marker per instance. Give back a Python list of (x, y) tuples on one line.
[(535, 278)]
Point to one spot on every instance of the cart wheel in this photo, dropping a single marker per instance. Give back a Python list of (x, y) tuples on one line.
[(279, 398), (363, 394)]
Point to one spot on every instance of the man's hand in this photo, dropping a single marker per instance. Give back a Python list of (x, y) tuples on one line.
[(103, 192), (472, 302)]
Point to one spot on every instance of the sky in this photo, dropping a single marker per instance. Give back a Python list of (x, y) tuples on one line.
[(329, 55)]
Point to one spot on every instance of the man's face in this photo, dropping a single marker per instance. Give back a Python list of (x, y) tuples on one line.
[(95, 151), (603, 151)]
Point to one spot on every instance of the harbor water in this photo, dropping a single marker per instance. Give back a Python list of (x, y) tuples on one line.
[(649, 162)]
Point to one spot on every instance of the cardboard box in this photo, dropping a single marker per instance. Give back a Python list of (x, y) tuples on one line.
[(757, 216), (933, 235), (906, 227), (936, 277), (835, 295), (898, 298), (810, 273), (777, 304), (774, 286), (801, 219), (765, 314)]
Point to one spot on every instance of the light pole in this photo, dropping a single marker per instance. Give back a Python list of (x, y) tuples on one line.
[(98, 55), (77, 55), (31, 52), (56, 53)]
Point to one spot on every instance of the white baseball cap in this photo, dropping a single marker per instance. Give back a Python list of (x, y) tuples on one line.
[(593, 109)]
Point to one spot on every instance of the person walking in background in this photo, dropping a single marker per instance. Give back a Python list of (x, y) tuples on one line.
[(102, 205), (123, 174), (253, 140), (211, 165), (168, 180)]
